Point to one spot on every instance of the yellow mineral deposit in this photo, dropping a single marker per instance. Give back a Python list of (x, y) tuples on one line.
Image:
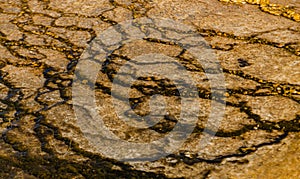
[(248, 1), (275, 9)]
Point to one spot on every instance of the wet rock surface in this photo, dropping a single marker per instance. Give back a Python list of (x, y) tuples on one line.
[(256, 42)]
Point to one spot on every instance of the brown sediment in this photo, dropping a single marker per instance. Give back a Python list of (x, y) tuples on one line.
[(41, 43)]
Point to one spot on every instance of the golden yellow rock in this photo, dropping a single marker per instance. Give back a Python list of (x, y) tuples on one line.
[(275, 9)]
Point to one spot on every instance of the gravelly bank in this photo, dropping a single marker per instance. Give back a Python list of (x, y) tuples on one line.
[(257, 43)]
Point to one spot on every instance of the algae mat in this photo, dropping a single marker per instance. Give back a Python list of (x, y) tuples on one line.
[(256, 44)]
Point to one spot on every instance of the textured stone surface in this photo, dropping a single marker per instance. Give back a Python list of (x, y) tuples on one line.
[(256, 42)]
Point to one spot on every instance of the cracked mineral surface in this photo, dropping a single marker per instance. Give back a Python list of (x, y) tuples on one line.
[(257, 43)]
